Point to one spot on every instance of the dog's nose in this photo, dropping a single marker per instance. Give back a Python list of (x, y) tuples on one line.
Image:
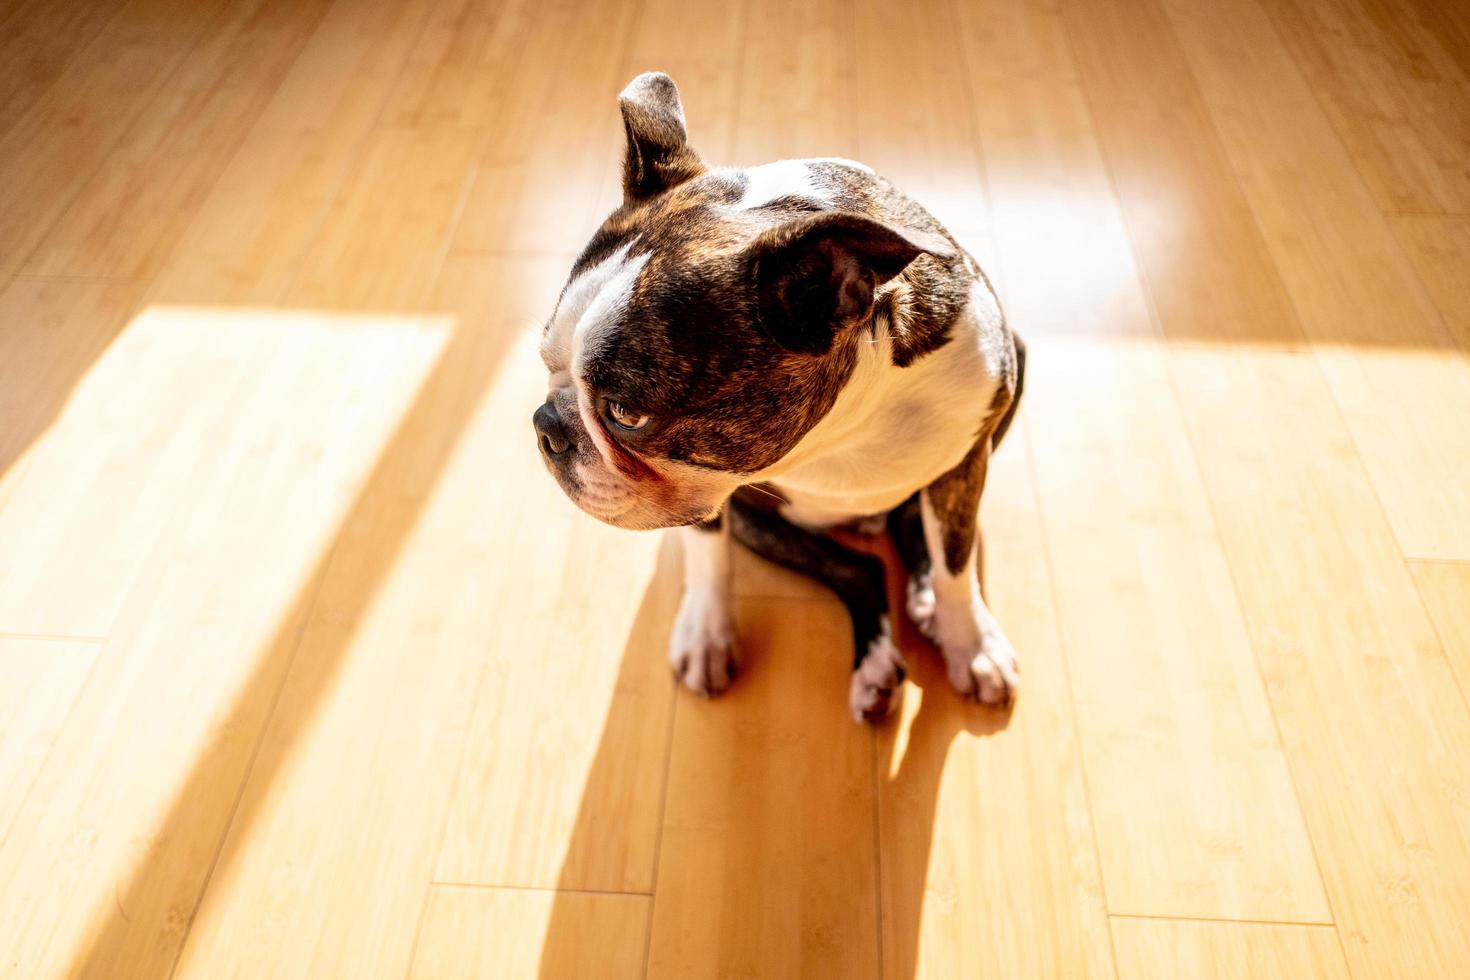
[(551, 434)]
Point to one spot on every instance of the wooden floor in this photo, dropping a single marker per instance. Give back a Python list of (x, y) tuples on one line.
[(307, 670)]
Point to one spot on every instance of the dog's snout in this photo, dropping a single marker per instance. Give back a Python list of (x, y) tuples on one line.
[(550, 432)]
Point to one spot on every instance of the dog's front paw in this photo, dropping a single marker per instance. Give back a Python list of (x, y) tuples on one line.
[(702, 648), (873, 693), (981, 663), (990, 675)]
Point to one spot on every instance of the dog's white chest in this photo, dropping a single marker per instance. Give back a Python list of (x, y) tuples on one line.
[(892, 431)]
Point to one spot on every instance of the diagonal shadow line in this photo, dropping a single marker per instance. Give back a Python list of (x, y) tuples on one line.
[(42, 364), (564, 943), (909, 770), (170, 884)]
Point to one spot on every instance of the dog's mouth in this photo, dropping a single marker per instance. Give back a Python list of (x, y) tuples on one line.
[(607, 495), (614, 483), (639, 514)]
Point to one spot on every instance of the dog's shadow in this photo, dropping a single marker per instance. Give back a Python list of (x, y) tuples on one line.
[(802, 839)]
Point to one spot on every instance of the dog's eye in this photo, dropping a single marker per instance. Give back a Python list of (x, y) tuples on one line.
[(623, 418)]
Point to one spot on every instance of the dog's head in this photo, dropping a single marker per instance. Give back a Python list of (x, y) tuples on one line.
[(709, 324)]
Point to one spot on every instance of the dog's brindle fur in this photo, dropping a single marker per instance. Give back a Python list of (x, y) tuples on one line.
[(804, 334)]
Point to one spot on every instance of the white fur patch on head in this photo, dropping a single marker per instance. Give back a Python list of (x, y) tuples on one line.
[(605, 306), (590, 301), (592, 297), (784, 178), (844, 162)]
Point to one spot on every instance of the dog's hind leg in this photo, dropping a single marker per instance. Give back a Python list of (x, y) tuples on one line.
[(906, 529), (858, 580)]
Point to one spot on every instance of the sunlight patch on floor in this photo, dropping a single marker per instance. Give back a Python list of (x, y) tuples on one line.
[(180, 504)]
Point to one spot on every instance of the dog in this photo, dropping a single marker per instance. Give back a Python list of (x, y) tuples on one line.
[(771, 353)]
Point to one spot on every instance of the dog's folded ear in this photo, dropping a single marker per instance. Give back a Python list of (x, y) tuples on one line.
[(817, 274), (658, 154)]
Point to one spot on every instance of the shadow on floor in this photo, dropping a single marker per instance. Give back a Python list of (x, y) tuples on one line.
[(898, 889), (43, 360)]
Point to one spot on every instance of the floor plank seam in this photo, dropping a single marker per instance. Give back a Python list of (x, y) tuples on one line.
[(1383, 510), (875, 761), (1424, 292), (1154, 917), (1245, 620), (470, 252), (50, 749), (56, 637), (1051, 579), (452, 226), (490, 886), (69, 277), (658, 840), (1444, 647)]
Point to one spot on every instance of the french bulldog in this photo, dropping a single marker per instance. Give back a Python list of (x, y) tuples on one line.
[(771, 353)]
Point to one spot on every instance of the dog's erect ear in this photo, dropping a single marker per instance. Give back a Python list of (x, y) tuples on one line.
[(658, 155), (815, 275)]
